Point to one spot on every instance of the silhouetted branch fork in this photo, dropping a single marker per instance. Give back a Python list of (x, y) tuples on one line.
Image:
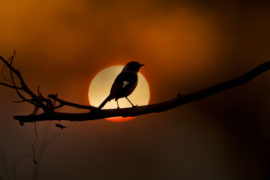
[(36, 101), (96, 114)]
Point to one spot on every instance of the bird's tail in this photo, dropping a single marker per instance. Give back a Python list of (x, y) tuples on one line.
[(104, 102)]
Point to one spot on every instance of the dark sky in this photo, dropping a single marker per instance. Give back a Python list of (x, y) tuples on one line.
[(186, 45)]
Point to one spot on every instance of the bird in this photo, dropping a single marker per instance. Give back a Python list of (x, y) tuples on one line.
[(124, 84)]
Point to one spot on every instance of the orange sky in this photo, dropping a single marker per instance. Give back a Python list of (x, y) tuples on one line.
[(186, 45)]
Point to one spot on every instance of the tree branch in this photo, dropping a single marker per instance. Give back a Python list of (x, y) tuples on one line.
[(95, 114), (50, 103)]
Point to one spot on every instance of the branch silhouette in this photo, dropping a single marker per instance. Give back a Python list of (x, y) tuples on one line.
[(51, 103)]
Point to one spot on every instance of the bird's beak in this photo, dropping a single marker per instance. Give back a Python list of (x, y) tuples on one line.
[(142, 65)]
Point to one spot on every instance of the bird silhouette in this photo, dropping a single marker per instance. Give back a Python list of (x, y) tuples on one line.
[(124, 84)]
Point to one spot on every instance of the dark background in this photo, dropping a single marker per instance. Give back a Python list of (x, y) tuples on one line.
[(186, 45)]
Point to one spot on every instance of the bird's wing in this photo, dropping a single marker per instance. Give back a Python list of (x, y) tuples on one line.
[(123, 82), (116, 84)]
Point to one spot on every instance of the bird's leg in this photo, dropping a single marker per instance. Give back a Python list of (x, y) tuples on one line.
[(117, 103), (130, 102)]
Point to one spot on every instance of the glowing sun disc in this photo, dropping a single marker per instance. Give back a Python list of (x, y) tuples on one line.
[(100, 88)]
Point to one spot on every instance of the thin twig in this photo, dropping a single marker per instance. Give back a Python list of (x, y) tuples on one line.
[(66, 103), (10, 86)]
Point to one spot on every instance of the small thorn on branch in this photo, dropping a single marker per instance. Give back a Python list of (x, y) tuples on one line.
[(21, 122)]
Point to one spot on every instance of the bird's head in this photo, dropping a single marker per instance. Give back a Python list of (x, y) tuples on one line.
[(133, 66)]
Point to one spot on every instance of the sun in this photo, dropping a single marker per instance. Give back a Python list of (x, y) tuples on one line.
[(100, 87)]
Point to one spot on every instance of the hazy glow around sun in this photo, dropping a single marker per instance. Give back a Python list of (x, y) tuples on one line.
[(100, 88)]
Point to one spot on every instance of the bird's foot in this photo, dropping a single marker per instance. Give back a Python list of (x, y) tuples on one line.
[(134, 106)]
